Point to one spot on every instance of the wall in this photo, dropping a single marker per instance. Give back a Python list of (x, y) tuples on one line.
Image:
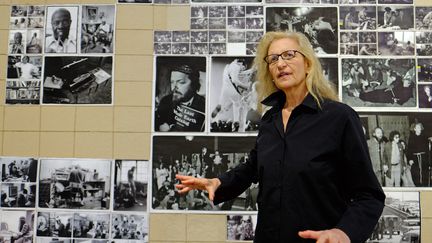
[(121, 131)]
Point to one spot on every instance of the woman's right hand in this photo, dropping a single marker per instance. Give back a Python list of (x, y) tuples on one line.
[(188, 183)]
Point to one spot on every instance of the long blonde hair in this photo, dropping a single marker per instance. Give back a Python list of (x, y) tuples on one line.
[(317, 85)]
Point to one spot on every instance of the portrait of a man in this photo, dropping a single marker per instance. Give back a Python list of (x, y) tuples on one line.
[(61, 30)]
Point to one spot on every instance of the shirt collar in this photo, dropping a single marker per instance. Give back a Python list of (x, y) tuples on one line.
[(277, 99)]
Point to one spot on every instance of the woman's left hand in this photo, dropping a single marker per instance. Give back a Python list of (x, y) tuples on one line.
[(326, 236)]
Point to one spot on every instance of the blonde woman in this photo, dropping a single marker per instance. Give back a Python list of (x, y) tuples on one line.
[(311, 159)]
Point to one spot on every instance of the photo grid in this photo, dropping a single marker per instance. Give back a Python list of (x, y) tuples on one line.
[(73, 200), (78, 38)]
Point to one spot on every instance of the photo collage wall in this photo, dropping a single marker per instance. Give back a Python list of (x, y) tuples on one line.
[(377, 53), (60, 54), (73, 200)]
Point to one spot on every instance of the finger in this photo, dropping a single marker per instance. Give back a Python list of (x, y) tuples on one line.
[(185, 190), (183, 177), (310, 234), (180, 186)]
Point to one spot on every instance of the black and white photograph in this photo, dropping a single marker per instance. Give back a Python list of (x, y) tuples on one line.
[(379, 82), (18, 23), (393, 17), (236, 11), (17, 41), (217, 48), (19, 11), (162, 48), (199, 36), (330, 69), (199, 48), (367, 49), (180, 48), (241, 227), (367, 37), (423, 19), (400, 220), (254, 23), (424, 37), (34, 41), (397, 43), (348, 43), (135, 1), (424, 49), (178, 36), (75, 183), (22, 92), (130, 185), (319, 24), (130, 227), (180, 95), (91, 225), (251, 49), (424, 69), (54, 224), (357, 18), (17, 226), (236, 36), (252, 11), (97, 29), (18, 195), (78, 80), (199, 23), (399, 146), (425, 95), (94, 241), (233, 96), (199, 11), (217, 11), (254, 36), (217, 23), (162, 36), (35, 23), (36, 11), (236, 23), (217, 36), (61, 31), (18, 169), (24, 67), (200, 156)]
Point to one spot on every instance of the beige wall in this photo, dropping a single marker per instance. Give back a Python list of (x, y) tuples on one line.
[(121, 131)]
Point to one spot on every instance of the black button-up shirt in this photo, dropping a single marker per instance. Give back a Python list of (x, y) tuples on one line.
[(316, 175)]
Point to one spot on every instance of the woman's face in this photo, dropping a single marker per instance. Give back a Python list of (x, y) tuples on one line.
[(291, 73)]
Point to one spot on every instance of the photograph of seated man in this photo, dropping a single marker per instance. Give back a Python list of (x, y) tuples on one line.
[(97, 29), (17, 226), (54, 224), (16, 169), (93, 226), (67, 183), (130, 185), (18, 195), (129, 226)]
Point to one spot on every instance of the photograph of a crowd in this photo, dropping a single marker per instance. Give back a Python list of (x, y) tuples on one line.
[(319, 24), (180, 96), (233, 95), (379, 82), (399, 144), (201, 156), (75, 183), (129, 227), (423, 17), (400, 219), (130, 185)]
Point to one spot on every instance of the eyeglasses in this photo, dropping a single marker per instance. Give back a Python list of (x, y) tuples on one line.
[(286, 55)]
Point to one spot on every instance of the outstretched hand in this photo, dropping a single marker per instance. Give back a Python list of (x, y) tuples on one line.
[(188, 183), (326, 236)]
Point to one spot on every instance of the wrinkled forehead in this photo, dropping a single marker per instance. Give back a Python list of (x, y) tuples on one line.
[(176, 75), (280, 45)]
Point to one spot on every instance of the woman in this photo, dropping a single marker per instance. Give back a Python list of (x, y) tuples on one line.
[(311, 159)]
